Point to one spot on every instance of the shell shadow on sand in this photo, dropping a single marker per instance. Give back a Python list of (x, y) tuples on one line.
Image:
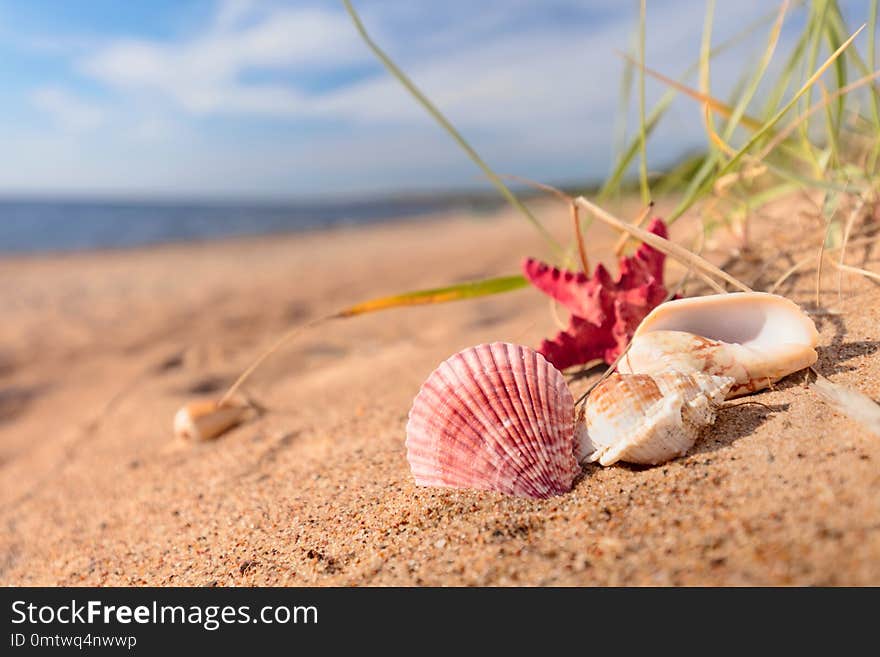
[(832, 359), (730, 426), (207, 385), (838, 349)]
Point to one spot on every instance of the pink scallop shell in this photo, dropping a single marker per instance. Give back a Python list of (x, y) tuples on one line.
[(494, 417)]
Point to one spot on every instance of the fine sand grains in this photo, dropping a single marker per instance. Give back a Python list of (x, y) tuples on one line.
[(99, 350)]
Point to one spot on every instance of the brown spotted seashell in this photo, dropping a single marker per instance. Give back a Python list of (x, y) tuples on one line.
[(494, 417), (648, 419), (753, 337)]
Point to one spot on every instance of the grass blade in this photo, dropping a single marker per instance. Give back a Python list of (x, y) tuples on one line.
[(818, 17), (620, 123), (768, 126), (624, 160), (834, 38), (678, 177), (875, 94), (446, 125), (765, 129), (815, 183), (835, 19), (705, 49), (872, 61), (458, 292), (718, 106), (643, 159), (672, 249), (612, 184), (783, 134), (831, 126), (783, 81), (858, 270), (752, 88)]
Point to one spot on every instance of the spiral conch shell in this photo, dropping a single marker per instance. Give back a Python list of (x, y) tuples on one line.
[(494, 417), (753, 337), (648, 419)]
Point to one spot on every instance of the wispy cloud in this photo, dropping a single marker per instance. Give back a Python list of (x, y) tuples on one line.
[(203, 75), (538, 73), (273, 98), (67, 110)]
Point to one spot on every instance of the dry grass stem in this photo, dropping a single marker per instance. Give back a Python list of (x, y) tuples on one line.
[(579, 237), (700, 266), (624, 238)]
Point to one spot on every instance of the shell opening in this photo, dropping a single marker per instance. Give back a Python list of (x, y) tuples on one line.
[(756, 320)]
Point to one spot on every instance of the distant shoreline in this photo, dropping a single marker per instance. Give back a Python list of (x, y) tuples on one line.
[(253, 238), (33, 227)]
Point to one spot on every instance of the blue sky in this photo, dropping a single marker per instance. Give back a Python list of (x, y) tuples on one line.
[(236, 98)]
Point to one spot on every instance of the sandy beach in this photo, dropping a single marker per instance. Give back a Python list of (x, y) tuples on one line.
[(98, 350)]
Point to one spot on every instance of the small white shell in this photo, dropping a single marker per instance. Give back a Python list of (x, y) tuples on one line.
[(753, 337), (648, 419), (494, 417), (206, 419)]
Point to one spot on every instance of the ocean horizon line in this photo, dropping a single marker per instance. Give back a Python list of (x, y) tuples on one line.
[(63, 225)]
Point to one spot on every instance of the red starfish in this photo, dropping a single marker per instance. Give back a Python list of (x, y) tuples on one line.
[(604, 312)]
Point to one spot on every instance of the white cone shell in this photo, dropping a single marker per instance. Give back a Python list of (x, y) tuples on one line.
[(753, 337), (204, 420), (648, 419), (494, 417)]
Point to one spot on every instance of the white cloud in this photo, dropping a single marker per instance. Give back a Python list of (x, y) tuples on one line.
[(154, 129), (231, 12), (539, 74), (67, 110), (537, 99), (204, 74)]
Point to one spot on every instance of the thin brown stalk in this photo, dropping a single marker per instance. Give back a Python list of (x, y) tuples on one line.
[(714, 137), (555, 192), (701, 267), (850, 222), (803, 263), (701, 241), (749, 172), (280, 342), (789, 273), (746, 403), (819, 273), (671, 295), (858, 270), (717, 106), (783, 134), (624, 238), (582, 250), (550, 189)]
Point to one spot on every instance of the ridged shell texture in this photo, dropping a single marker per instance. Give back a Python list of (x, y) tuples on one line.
[(647, 419), (494, 417)]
